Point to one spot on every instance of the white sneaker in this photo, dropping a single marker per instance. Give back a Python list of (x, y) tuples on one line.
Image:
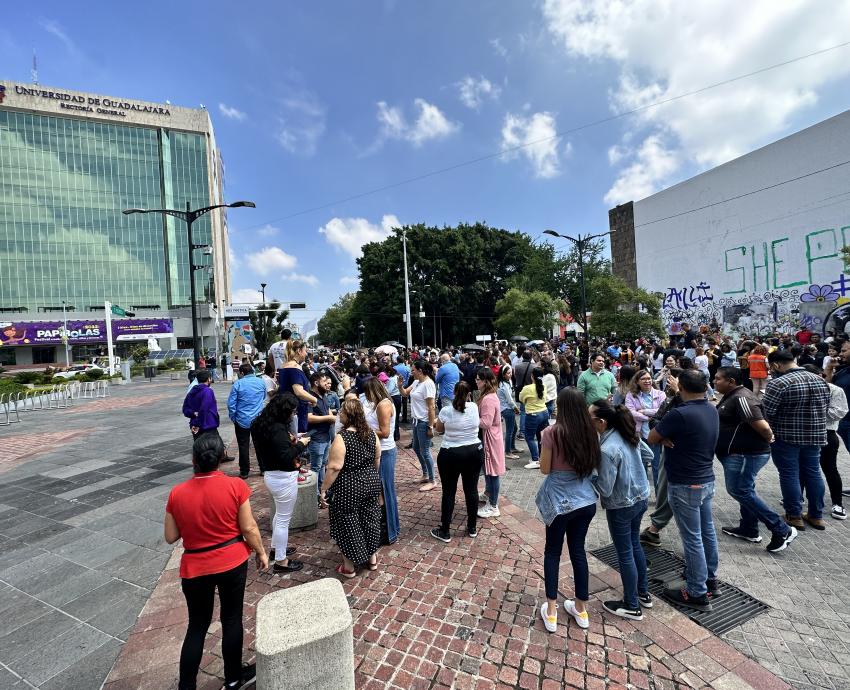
[(582, 619), (486, 511), (483, 498), (839, 513), (532, 465), (494, 511), (549, 622)]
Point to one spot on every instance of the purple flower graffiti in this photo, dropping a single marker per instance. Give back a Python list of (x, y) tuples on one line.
[(820, 293)]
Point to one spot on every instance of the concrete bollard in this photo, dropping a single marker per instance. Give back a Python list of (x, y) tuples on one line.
[(305, 512), (304, 638)]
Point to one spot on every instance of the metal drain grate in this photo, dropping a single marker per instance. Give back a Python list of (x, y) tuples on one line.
[(732, 608)]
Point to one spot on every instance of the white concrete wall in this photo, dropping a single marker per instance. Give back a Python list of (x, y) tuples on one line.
[(747, 262)]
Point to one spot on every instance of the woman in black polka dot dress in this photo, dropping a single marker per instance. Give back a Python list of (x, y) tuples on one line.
[(355, 513)]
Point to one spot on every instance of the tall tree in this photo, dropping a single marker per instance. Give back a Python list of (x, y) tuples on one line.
[(458, 273), (617, 308), (531, 314), (267, 322), (339, 324)]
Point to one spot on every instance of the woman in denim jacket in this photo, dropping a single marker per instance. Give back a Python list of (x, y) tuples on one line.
[(624, 489), (567, 503)]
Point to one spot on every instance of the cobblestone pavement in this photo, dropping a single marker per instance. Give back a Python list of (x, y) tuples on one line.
[(463, 615), (82, 495), (805, 637)]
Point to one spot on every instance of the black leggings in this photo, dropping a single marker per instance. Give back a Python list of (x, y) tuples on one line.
[(199, 593), (464, 462), (574, 526)]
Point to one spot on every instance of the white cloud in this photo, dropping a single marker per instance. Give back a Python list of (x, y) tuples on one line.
[(268, 231), (430, 123), (537, 135), (666, 49), (473, 92), (247, 296), (350, 234), (498, 48), (349, 280), (652, 166), (56, 29), (232, 259), (301, 278), (231, 113), (269, 260), (301, 124)]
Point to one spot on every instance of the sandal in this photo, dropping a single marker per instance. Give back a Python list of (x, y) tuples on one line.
[(348, 574), (373, 566)]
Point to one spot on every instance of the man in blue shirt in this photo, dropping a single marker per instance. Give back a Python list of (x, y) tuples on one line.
[(404, 371), (614, 350), (244, 405), (689, 435), (447, 377)]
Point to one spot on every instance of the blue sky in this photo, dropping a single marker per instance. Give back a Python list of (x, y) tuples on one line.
[(316, 102)]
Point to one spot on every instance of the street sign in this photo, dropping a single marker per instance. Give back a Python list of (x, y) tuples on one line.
[(118, 311), (231, 311), (483, 338), (297, 305)]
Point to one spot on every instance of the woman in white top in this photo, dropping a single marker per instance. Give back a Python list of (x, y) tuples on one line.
[(461, 455), (550, 385), (422, 391), (380, 415), (268, 379)]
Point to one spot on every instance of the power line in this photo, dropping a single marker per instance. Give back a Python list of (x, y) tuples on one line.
[(557, 135)]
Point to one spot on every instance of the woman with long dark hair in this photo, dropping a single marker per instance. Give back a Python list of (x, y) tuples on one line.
[(353, 472), (533, 396), (490, 416), (461, 455), (623, 488), (567, 502), (509, 409), (278, 451), (380, 415), (422, 393), (211, 512)]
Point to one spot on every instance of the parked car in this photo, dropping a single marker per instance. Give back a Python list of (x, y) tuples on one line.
[(72, 371)]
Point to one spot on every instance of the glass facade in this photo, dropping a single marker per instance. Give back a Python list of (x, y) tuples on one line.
[(63, 185)]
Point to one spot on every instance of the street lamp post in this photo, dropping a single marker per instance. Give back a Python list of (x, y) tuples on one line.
[(189, 216), (407, 291), (581, 244), (263, 290)]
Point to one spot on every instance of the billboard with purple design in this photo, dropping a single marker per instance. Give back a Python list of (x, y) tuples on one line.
[(92, 331)]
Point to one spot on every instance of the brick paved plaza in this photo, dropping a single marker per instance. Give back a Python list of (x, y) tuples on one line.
[(89, 591)]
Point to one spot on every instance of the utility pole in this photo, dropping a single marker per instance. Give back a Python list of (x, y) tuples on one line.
[(407, 292)]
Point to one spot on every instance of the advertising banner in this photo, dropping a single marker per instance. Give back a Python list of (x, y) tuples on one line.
[(93, 331), (240, 339)]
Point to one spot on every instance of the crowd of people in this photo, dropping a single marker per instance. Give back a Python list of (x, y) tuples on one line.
[(603, 420)]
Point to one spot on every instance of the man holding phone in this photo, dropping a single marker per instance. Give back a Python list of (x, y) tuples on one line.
[(320, 421)]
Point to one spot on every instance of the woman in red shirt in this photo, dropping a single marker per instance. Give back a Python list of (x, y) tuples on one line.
[(212, 514)]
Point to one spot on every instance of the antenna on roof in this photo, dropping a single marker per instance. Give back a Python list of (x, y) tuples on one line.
[(34, 68)]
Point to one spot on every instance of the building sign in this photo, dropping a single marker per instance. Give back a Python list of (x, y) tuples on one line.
[(236, 312), (89, 104), (92, 331)]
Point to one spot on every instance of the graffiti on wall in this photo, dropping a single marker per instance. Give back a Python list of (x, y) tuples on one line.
[(819, 307)]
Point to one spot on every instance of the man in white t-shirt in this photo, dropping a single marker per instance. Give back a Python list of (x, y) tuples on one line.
[(278, 350)]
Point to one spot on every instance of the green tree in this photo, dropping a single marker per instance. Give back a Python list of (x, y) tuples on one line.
[(617, 308), (531, 314), (266, 323), (339, 324), (458, 273)]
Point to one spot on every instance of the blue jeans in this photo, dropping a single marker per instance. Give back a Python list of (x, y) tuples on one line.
[(656, 465), (574, 526), (533, 423), (509, 417), (844, 433), (740, 474), (550, 407), (691, 506), (491, 486), (388, 458), (796, 465), (624, 525), (422, 448), (319, 451)]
